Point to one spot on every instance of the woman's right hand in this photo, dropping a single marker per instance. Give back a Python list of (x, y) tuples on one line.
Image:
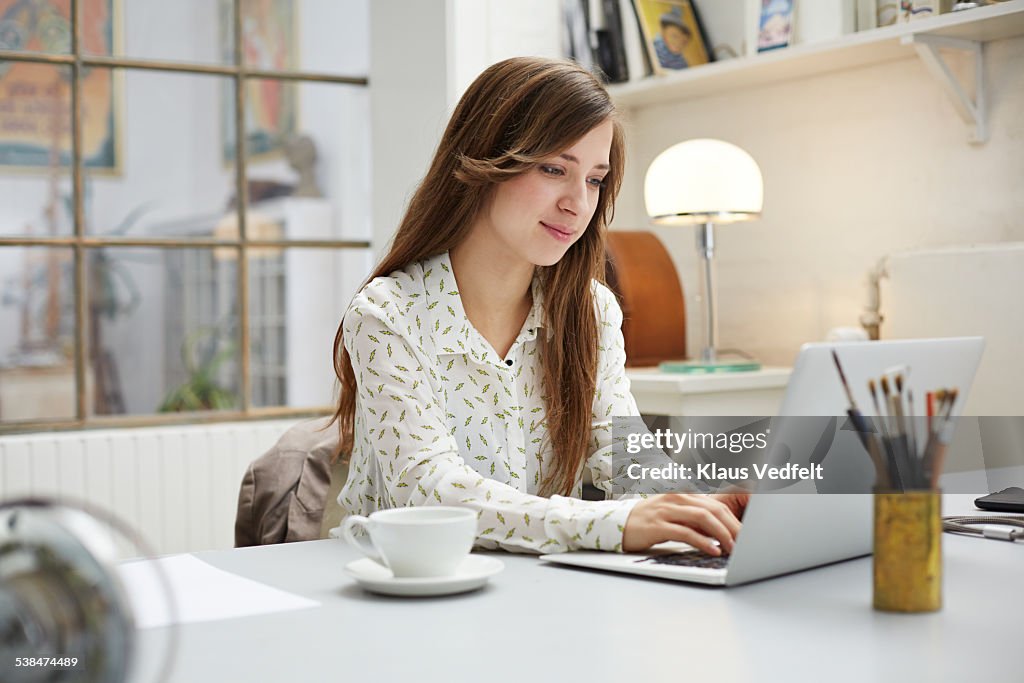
[(695, 519)]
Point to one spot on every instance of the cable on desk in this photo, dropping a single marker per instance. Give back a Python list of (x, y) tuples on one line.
[(989, 526)]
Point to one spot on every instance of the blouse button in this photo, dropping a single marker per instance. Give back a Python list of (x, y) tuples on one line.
[(509, 362)]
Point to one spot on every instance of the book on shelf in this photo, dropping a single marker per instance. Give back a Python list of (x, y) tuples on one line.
[(638, 61), (607, 40), (603, 36)]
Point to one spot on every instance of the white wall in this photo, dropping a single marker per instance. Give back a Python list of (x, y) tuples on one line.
[(856, 164), (408, 86), (484, 32), (424, 53)]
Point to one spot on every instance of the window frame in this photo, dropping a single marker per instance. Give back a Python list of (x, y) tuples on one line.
[(81, 243)]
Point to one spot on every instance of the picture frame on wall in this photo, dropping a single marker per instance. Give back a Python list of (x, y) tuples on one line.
[(673, 34), (775, 25), (271, 106), (35, 97)]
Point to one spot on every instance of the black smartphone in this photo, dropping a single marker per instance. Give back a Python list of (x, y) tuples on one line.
[(1007, 500)]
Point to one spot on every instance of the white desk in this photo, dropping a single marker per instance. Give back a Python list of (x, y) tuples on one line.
[(729, 393), (542, 622)]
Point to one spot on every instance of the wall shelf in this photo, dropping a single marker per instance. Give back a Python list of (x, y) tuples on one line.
[(979, 25)]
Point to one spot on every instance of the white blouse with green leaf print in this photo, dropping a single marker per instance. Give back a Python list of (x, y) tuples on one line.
[(442, 420)]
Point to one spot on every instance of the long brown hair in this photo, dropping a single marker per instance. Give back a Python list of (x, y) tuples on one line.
[(515, 114)]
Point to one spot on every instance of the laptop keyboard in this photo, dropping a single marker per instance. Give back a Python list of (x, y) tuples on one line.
[(690, 558)]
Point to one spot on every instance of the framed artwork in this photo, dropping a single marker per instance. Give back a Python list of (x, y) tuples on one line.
[(673, 34), (268, 30), (775, 26), (35, 98)]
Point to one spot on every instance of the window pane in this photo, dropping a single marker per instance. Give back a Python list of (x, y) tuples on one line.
[(297, 299), (325, 36), (335, 37), (163, 330), (309, 142), (182, 30), (37, 319), (35, 148), (173, 182)]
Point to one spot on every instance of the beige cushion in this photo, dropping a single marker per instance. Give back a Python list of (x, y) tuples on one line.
[(284, 491)]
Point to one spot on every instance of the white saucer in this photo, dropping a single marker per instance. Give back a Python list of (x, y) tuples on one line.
[(471, 574)]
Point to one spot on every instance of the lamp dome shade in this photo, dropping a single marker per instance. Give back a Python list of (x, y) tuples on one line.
[(703, 180)]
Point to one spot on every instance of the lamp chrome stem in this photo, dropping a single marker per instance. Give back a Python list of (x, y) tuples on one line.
[(706, 254)]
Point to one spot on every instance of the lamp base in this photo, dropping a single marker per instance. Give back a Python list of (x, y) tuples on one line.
[(696, 367)]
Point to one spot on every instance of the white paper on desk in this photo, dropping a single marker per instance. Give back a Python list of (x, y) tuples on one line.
[(202, 593)]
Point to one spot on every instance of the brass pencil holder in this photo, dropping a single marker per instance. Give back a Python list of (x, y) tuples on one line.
[(908, 551)]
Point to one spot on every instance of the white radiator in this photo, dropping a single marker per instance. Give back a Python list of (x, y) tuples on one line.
[(177, 486)]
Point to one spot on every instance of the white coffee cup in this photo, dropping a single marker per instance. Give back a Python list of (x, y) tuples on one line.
[(417, 542)]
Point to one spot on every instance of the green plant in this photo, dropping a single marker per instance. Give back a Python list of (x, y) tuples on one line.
[(201, 391)]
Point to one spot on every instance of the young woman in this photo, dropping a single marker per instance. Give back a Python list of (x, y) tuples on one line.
[(482, 363)]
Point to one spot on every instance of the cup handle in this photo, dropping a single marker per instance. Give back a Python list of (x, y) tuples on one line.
[(366, 547)]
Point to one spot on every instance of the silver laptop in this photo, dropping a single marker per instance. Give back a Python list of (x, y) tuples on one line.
[(784, 532)]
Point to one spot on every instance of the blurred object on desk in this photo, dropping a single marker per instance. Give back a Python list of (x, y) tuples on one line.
[(65, 612)]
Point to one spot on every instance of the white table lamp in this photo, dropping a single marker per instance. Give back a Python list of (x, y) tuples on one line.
[(703, 182)]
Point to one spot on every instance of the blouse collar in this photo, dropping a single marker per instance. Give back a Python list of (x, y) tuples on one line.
[(461, 337)]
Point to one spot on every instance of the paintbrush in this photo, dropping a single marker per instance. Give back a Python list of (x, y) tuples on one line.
[(953, 393), (909, 456), (874, 396), (929, 403), (943, 434), (912, 423), (842, 378), (905, 469), (864, 431), (887, 440), (936, 403), (940, 398)]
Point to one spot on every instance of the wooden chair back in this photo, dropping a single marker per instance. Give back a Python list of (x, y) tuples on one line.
[(642, 275)]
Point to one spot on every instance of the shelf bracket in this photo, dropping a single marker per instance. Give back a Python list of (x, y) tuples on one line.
[(973, 112)]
